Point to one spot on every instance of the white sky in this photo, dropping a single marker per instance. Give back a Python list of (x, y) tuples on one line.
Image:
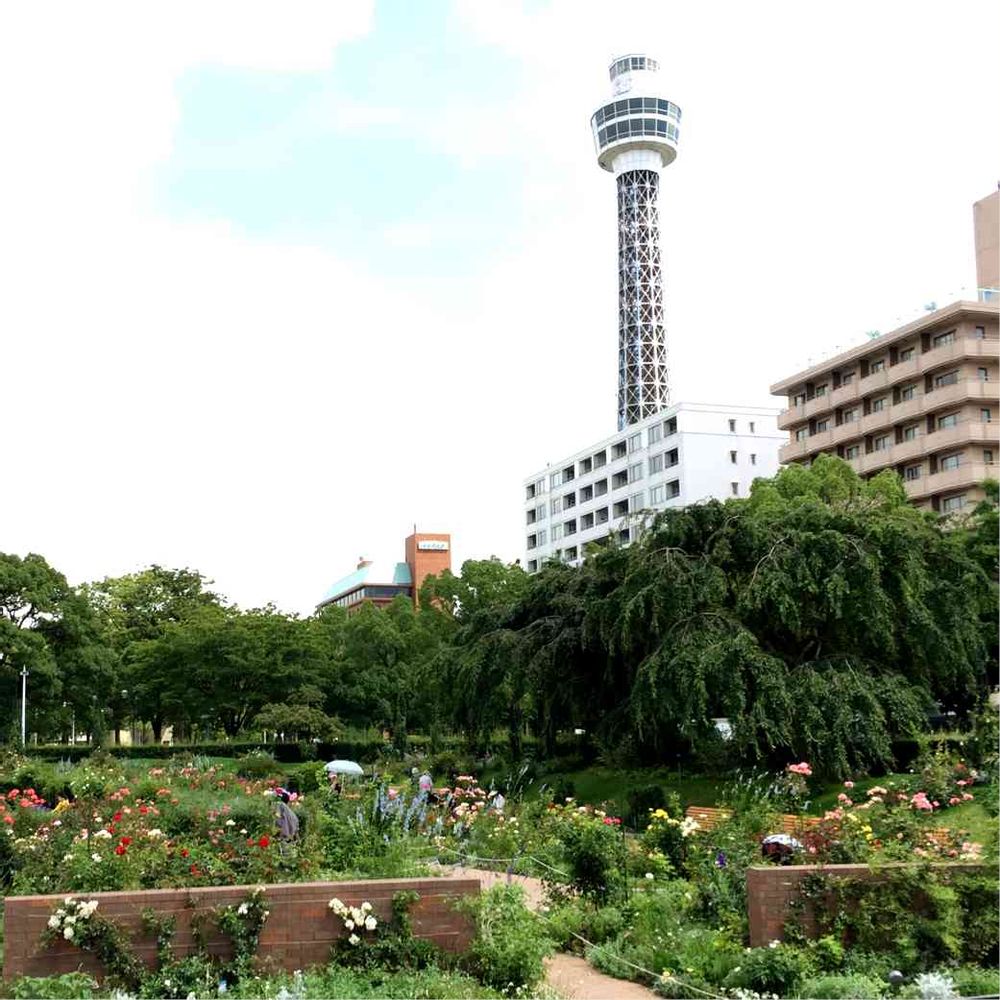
[(174, 391)]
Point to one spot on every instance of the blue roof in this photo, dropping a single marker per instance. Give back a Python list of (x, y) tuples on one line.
[(375, 574)]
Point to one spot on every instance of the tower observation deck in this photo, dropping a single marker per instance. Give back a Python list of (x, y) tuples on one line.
[(636, 135)]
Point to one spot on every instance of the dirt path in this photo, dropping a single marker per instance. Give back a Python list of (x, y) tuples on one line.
[(571, 977)]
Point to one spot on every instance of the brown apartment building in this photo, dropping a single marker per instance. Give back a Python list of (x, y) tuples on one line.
[(923, 400)]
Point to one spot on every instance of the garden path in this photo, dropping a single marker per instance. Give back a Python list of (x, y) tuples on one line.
[(569, 976)]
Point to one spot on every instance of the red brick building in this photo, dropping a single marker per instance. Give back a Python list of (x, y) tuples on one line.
[(381, 583)]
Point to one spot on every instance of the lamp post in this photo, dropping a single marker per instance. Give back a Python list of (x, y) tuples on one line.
[(24, 706)]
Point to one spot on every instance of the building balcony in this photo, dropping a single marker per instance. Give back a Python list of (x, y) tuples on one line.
[(872, 383), (966, 432), (845, 394), (845, 432), (958, 392), (793, 415), (908, 409), (954, 479)]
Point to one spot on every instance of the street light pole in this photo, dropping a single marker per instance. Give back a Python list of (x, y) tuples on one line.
[(24, 706)]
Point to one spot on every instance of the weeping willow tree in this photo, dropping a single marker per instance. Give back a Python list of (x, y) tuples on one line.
[(823, 616)]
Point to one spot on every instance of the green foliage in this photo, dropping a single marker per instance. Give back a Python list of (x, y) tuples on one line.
[(843, 987), (510, 942), (640, 802), (595, 856), (70, 986), (776, 969), (975, 981)]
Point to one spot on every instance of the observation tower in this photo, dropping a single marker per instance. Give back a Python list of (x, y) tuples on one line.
[(636, 135)]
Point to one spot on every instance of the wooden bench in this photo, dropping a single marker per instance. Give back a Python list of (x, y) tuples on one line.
[(707, 817)]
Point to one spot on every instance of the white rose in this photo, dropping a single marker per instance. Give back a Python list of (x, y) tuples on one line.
[(370, 924), (96, 857), (349, 924), (68, 933), (367, 907), (650, 875), (67, 857), (354, 939), (242, 909), (230, 822), (53, 921)]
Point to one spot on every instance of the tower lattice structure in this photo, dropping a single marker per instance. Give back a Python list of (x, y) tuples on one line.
[(636, 135)]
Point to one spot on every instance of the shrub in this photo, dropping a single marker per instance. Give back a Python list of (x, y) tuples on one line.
[(972, 981), (778, 968), (595, 854), (71, 986), (257, 764), (849, 987), (510, 942)]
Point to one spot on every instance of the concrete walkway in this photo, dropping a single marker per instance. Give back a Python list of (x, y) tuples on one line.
[(573, 978)]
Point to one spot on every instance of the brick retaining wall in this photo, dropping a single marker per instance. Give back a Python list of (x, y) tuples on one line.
[(298, 933), (772, 888)]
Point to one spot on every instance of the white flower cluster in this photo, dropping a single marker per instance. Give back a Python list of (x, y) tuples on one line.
[(356, 918), (689, 826), (71, 917)]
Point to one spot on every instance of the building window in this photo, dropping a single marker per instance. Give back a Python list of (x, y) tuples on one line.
[(672, 458), (948, 420), (585, 465), (912, 472), (822, 425), (600, 487), (569, 500), (735, 487), (557, 505), (908, 392), (980, 333), (673, 489), (987, 456), (881, 443), (877, 366), (847, 378), (752, 427), (531, 517), (532, 541), (602, 515), (586, 522), (532, 565), (586, 494), (555, 480), (878, 405), (654, 433), (618, 450), (542, 537), (801, 434), (948, 378), (732, 426), (950, 504), (657, 495), (949, 462), (655, 464), (820, 390), (799, 399), (570, 553), (732, 457), (753, 458), (634, 442), (850, 416), (636, 502), (910, 433), (530, 492), (852, 452), (985, 415), (600, 459), (906, 355), (635, 472), (557, 530), (569, 527), (670, 426), (542, 512), (568, 474), (944, 338), (984, 374)]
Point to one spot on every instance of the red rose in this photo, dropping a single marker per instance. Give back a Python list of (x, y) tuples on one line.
[(143, 810), (126, 841), (117, 817), (120, 850), (264, 841), (185, 853)]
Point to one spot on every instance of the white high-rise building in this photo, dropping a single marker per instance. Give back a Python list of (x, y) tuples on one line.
[(681, 455), (662, 456)]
